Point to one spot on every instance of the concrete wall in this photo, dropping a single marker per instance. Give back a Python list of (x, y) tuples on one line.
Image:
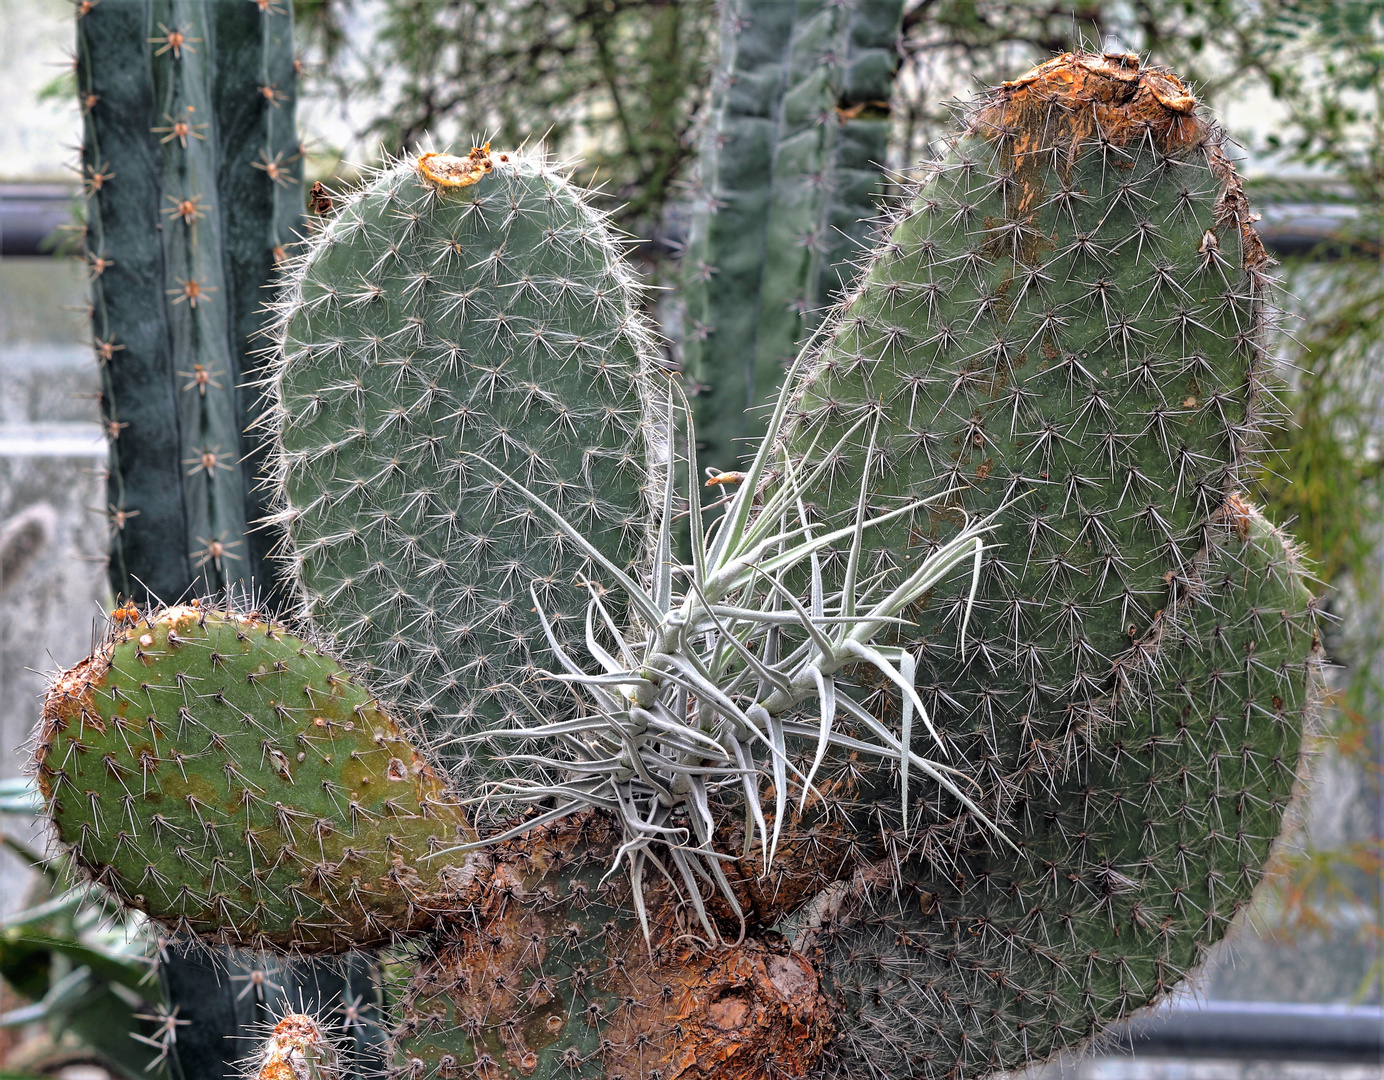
[(51, 455)]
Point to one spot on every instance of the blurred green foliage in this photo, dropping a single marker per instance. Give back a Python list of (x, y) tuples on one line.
[(84, 968), (619, 82)]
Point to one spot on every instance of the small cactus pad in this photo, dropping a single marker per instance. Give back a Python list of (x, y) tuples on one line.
[(226, 777), (553, 976), (454, 307)]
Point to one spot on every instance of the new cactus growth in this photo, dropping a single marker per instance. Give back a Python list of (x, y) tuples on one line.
[(297, 1049), (789, 182), (190, 166), (994, 538), (220, 773), (456, 307)]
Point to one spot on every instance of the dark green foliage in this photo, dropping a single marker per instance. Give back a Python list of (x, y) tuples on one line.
[(1135, 860), (85, 979), (428, 325), (190, 164), (222, 775), (791, 174)]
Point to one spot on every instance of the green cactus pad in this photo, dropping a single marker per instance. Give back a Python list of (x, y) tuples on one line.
[(552, 973), (223, 775), (456, 307), (1065, 325), (1134, 862)]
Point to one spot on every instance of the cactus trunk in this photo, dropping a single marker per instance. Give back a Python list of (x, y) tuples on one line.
[(191, 167)]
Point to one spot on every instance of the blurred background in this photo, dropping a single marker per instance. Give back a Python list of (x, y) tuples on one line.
[(620, 86)]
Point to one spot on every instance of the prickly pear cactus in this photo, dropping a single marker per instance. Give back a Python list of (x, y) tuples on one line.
[(1055, 359), (456, 312), (1066, 325), (790, 180), (190, 165), (223, 775)]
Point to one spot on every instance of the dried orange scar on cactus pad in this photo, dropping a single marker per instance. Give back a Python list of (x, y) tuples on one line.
[(223, 775), (447, 171)]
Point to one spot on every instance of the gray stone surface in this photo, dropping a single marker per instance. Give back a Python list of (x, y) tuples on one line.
[(1154, 1068), (51, 457)]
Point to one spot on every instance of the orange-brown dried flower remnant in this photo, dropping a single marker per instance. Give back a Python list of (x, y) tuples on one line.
[(448, 171)]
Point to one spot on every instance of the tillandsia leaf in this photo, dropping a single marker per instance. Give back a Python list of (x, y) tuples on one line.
[(700, 710)]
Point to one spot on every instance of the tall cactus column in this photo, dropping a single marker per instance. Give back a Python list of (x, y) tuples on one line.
[(191, 171), (190, 166), (791, 171)]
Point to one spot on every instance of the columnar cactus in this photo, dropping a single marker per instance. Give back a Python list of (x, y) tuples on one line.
[(1009, 806), (191, 170), (790, 180)]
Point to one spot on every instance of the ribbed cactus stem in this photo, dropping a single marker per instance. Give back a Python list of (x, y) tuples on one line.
[(789, 183), (189, 165)]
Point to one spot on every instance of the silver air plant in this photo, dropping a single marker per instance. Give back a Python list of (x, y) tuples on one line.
[(711, 687)]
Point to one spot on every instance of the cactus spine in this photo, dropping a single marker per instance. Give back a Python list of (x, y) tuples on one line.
[(190, 166), (791, 172)]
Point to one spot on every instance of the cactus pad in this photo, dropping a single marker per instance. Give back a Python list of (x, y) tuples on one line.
[(455, 307), (1134, 862), (221, 774)]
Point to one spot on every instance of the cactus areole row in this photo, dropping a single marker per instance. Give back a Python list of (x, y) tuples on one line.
[(967, 730)]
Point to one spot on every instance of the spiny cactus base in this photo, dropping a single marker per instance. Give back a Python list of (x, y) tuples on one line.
[(223, 775), (550, 972)]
